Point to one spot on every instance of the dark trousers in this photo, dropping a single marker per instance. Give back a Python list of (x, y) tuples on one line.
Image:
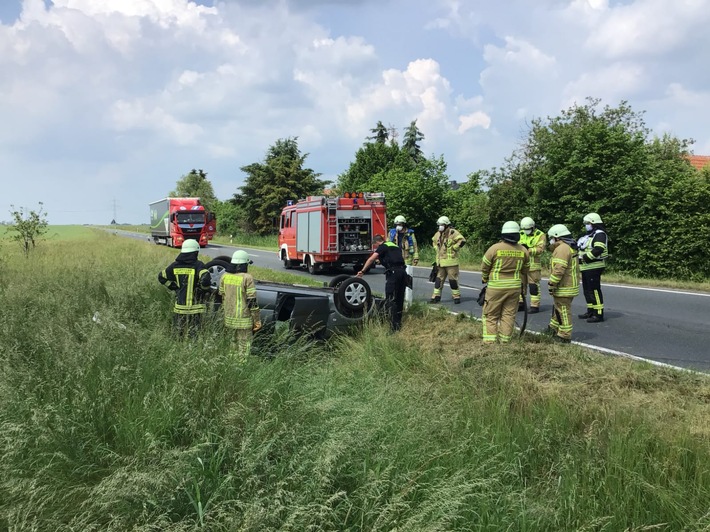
[(395, 285), (186, 325), (592, 288)]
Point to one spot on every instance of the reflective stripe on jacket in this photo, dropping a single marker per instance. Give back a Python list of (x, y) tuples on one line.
[(536, 244), (588, 244), (505, 266), (186, 278), (563, 271), (406, 242), (447, 245), (238, 293)]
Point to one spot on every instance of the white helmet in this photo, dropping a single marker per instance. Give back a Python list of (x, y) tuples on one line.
[(190, 246), (444, 220), (400, 219), (240, 257), (593, 218), (558, 230), (510, 228), (527, 223)]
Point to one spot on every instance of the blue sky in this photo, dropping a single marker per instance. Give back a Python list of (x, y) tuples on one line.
[(114, 100)]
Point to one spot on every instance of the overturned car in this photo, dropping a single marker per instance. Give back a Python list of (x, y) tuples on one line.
[(337, 306)]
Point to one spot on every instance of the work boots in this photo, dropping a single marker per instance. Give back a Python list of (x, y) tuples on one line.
[(434, 300), (584, 316), (595, 318)]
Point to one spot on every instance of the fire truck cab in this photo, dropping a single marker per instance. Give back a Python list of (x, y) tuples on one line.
[(324, 233)]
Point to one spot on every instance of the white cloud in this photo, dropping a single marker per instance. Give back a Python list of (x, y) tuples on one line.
[(124, 96)]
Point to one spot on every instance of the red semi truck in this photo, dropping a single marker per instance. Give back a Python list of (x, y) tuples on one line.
[(322, 232), (174, 220)]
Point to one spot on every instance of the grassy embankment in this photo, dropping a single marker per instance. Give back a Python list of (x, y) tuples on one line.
[(114, 425)]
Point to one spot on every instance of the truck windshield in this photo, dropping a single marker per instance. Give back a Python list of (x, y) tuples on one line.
[(190, 217)]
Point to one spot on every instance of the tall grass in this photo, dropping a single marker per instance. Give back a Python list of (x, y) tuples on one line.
[(109, 423)]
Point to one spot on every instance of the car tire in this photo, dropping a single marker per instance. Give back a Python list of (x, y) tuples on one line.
[(224, 258), (335, 281), (354, 294), (216, 267)]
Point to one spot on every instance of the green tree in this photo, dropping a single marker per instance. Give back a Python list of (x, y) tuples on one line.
[(600, 159), (380, 134), (417, 193), (269, 184), (196, 185), (410, 144), (370, 159), (467, 208), (28, 227)]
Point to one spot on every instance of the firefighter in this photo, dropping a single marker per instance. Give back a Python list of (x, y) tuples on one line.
[(593, 252), (505, 269), (390, 255), (405, 239), (447, 242), (407, 242), (536, 242), (241, 311), (190, 280), (563, 283)]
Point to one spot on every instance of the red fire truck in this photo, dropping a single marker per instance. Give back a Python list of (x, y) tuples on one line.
[(322, 232)]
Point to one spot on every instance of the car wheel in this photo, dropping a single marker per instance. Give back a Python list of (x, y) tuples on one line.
[(224, 258), (354, 294), (216, 268), (335, 281)]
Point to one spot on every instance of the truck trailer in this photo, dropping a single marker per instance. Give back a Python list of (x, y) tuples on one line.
[(174, 220), (323, 233)]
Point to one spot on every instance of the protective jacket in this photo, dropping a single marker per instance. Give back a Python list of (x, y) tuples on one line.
[(505, 266), (593, 250), (536, 244), (239, 303), (407, 242), (564, 278), (447, 244), (188, 277)]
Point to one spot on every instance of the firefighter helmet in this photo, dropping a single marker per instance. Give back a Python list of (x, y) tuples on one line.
[(527, 223), (443, 220), (593, 218), (510, 228), (400, 219), (558, 230), (190, 246), (240, 257)]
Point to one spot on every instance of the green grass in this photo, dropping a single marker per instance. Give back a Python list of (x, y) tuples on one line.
[(114, 425)]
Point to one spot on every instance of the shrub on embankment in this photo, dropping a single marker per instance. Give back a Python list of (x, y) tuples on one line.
[(110, 424)]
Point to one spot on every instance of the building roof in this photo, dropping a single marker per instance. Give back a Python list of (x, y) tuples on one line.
[(699, 161)]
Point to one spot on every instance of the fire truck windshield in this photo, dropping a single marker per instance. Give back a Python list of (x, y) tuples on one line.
[(191, 217)]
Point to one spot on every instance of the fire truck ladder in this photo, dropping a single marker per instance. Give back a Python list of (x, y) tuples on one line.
[(332, 210)]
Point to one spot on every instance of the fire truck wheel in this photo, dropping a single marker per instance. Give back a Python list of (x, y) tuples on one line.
[(311, 266), (335, 281), (354, 294), (216, 268)]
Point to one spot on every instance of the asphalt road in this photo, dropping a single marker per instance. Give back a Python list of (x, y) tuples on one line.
[(659, 325)]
